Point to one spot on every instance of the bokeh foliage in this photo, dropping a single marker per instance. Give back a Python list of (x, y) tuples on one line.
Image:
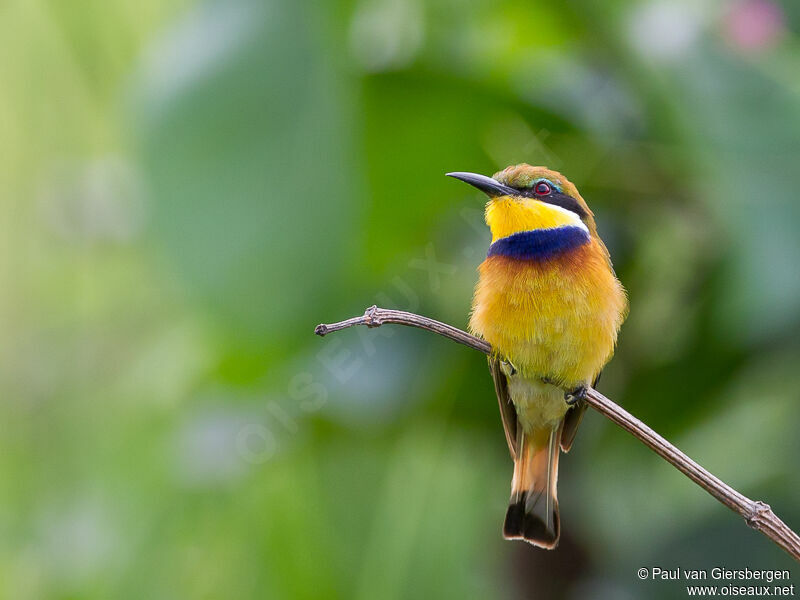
[(187, 188)]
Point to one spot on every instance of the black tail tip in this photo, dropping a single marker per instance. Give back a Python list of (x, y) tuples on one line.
[(530, 526)]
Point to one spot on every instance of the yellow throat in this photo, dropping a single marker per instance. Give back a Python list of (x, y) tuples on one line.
[(507, 216)]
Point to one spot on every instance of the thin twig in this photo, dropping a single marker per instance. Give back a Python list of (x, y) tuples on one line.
[(757, 514)]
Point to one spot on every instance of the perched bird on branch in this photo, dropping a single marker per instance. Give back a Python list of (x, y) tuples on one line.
[(550, 304)]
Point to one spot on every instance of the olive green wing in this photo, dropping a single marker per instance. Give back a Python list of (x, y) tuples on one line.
[(572, 419), (508, 414)]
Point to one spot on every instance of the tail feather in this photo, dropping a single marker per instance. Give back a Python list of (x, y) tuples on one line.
[(533, 509)]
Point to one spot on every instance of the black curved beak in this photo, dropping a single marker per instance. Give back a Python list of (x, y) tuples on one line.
[(487, 185)]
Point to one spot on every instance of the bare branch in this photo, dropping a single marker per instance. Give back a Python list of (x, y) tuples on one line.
[(375, 317), (757, 514)]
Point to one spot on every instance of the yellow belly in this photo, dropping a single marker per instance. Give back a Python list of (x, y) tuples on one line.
[(539, 405), (556, 319)]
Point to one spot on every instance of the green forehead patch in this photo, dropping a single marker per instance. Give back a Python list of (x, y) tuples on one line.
[(525, 176)]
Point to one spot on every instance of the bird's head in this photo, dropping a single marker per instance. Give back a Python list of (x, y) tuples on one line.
[(524, 198)]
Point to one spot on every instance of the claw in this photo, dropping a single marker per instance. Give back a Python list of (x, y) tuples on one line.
[(508, 368), (576, 395)]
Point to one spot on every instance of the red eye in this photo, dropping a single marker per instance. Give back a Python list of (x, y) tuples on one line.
[(542, 189)]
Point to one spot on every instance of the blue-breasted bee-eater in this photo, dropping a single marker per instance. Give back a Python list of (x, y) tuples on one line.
[(550, 304)]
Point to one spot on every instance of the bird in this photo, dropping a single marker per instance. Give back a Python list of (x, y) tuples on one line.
[(549, 302)]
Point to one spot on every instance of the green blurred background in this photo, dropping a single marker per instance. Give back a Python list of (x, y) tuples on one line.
[(188, 188)]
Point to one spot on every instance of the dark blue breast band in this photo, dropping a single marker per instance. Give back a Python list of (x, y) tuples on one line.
[(540, 244)]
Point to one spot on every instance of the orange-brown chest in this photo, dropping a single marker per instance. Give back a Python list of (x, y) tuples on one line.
[(556, 318)]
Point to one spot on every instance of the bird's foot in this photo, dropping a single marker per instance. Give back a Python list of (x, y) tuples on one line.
[(508, 368), (576, 395)]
